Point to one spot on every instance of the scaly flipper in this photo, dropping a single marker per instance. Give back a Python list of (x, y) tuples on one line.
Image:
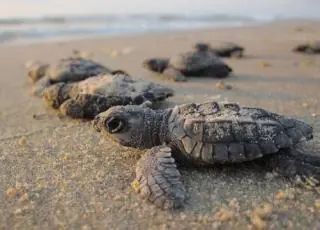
[(119, 71), (299, 168), (158, 179), (174, 74)]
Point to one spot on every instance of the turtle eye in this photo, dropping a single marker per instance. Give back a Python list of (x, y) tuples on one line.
[(115, 124)]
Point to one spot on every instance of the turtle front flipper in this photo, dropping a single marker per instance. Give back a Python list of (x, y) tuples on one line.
[(87, 106), (218, 71), (119, 71), (299, 168), (174, 74), (158, 180)]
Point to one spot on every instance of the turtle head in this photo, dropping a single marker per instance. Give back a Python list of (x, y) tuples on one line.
[(36, 70), (56, 94), (156, 64), (201, 46), (301, 48), (127, 125)]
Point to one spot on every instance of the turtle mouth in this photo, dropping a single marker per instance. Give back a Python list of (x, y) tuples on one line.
[(115, 124), (96, 124)]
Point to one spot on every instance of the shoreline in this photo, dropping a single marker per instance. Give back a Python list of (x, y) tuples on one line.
[(154, 33), (120, 35)]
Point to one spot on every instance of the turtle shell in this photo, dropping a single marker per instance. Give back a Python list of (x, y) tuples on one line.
[(227, 49), (310, 47), (75, 69), (122, 85), (198, 62), (225, 132)]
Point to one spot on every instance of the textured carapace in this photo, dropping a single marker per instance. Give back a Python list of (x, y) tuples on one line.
[(226, 132), (228, 49), (312, 47), (66, 70), (87, 98), (200, 63)]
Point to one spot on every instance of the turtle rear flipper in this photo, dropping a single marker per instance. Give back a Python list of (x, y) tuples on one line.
[(87, 106), (299, 168), (158, 179), (222, 71)]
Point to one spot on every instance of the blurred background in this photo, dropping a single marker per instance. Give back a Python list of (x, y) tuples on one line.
[(60, 19)]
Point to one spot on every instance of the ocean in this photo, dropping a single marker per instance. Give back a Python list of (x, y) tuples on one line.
[(71, 27)]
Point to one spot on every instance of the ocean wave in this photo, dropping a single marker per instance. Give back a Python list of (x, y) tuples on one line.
[(28, 21), (95, 25), (100, 18)]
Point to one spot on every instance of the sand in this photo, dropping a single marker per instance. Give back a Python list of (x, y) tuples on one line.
[(60, 174)]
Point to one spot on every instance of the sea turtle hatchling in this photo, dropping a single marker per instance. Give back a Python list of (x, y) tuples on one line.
[(225, 49), (312, 47), (205, 134), (71, 69), (198, 62), (87, 98)]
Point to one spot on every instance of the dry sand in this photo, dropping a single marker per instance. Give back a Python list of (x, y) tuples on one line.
[(60, 174)]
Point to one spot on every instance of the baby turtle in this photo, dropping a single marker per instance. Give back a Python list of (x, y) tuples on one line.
[(225, 49), (205, 134), (198, 62), (71, 69), (308, 48), (87, 98)]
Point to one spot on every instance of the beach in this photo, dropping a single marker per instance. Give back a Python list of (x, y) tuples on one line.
[(58, 173)]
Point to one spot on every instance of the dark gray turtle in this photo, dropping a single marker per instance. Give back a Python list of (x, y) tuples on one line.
[(87, 98), (225, 49), (71, 69), (312, 47), (205, 134), (198, 62)]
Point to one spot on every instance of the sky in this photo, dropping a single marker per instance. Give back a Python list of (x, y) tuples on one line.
[(39, 8)]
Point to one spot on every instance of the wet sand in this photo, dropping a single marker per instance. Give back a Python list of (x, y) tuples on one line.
[(60, 174)]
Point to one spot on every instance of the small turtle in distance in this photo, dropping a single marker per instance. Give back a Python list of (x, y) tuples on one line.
[(85, 99), (199, 62), (71, 69), (312, 47), (205, 134), (226, 50)]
